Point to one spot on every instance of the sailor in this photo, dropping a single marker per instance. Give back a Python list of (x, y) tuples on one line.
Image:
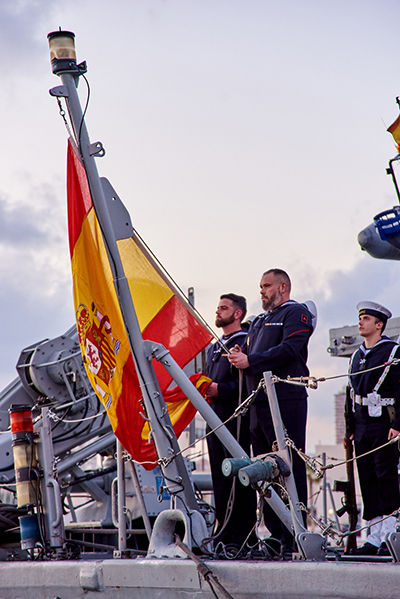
[(372, 420), (277, 341), (235, 504)]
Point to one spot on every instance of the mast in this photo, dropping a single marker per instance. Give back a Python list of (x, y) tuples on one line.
[(63, 58)]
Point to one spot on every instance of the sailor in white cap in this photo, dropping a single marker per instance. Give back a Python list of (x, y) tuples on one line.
[(374, 420)]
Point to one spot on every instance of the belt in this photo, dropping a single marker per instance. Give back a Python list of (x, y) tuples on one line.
[(381, 401)]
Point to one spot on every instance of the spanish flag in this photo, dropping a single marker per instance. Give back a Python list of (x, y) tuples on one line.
[(163, 317), (394, 129)]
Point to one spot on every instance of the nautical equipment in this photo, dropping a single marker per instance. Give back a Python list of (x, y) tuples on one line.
[(388, 226), (24, 454), (29, 528), (382, 238), (231, 466), (189, 525), (371, 242), (62, 51), (252, 472), (258, 471), (54, 369)]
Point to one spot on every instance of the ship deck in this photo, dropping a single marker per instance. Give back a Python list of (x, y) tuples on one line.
[(179, 579)]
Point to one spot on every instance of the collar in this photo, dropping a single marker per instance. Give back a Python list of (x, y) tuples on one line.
[(226, 338), (365, 350), (289, 302)]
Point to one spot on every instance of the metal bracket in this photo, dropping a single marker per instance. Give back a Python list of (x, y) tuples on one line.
[(59, 92), (121, 221), (126, 554), (97, 149), (154, 349), (393, 543), (311, 546)]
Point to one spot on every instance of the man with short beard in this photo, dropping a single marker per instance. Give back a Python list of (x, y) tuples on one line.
[(277, 341), (235, 504)]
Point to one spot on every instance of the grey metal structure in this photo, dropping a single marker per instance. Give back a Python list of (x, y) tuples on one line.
[(55, 530), (371, 243), (344, 341), (164, 357)]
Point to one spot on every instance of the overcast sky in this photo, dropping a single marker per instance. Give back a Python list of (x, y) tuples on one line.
[(241, 135)]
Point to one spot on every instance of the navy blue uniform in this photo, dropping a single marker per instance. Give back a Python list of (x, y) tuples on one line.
[(378, 471), (243, 515), (277, 341)]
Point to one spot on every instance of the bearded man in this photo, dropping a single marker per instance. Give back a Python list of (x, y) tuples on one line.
[(235, 504), (277, 341)]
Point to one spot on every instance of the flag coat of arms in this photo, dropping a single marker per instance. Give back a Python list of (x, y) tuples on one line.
[(163, 317)]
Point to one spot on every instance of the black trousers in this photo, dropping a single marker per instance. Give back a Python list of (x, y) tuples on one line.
[(243, 516), (377, 472), (262, 434)]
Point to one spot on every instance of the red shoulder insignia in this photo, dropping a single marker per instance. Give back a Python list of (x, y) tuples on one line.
[(304, 318)]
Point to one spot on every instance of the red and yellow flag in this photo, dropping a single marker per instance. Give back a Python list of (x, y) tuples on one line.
[(394, 129), (162, 316)]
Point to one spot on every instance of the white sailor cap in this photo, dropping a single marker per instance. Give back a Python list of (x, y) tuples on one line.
[(374, 309)]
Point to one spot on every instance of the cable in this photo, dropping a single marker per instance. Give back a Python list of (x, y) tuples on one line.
[(85, 109), (312, 382), (204, 570), (240, 410), (330, 466), (58, 419), (175, 284)]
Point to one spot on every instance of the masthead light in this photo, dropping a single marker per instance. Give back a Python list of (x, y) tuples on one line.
[(62, 51)]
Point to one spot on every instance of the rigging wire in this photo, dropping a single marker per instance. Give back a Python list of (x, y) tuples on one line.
[(181, 292), (312, 382)]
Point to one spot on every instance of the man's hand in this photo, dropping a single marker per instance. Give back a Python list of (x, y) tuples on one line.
[(238, 358), (212, 390), (347, 441), (393, 433)]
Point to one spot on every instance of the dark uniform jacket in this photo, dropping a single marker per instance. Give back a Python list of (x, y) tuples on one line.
[(243, 514), (277, 341), (221, 371), (364, 384)]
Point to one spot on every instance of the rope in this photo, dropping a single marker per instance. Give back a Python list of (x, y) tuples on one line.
[(204, 570), (329, 529), (313, 463), (348, 533), (330, 466), (337, 535), (58, 419), (175, 284), (127, 456), (319, 468), (240, 411), (62, 113), (312, 381)]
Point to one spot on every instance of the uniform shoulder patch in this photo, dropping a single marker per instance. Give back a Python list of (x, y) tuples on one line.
[(304, 318)]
